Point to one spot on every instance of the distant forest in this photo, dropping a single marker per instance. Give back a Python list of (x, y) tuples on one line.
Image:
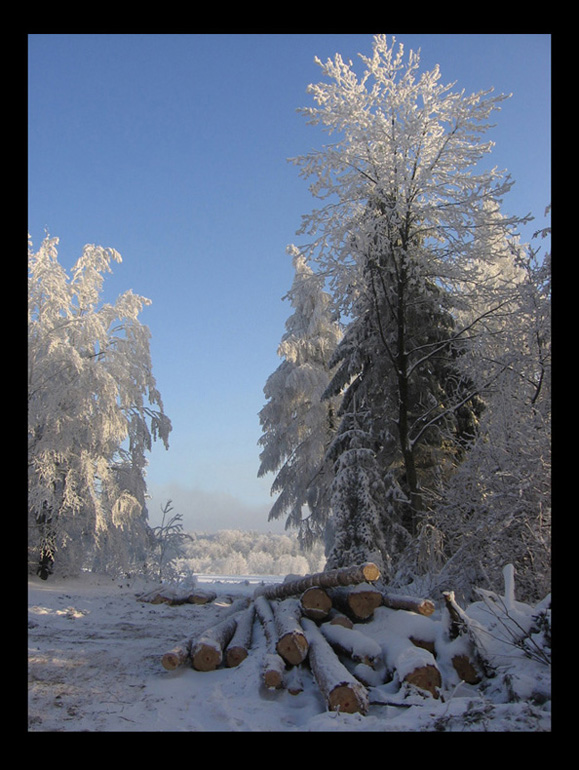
[(237, 552)]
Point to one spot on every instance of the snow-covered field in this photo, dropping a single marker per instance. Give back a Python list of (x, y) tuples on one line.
[(95, 665)]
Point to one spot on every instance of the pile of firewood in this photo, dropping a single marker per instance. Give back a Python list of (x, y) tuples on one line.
[(318, 622)]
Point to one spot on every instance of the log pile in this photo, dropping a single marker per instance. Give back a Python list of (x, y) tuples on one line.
[(339, 629)]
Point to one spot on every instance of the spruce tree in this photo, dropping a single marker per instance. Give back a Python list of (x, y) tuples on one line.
[(297, 425)]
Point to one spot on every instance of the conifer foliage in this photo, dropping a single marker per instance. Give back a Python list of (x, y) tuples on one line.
[(297, 424), (93, 412), (427, 278)]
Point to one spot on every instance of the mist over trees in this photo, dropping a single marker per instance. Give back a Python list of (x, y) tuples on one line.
[(439, 460), (93, 412)]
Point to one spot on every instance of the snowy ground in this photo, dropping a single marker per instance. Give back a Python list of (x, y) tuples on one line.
[(95, 665)]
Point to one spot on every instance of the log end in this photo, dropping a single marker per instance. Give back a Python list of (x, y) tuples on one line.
[(293, 648), (347, 699), (465, 669), (371, 572), (234, 656), (206, 658), (171, 661), (426, 678)]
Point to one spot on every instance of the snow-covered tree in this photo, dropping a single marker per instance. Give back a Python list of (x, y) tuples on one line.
[(93, 413), (405, 199), (497, 508), (359, 525), (297, 425)]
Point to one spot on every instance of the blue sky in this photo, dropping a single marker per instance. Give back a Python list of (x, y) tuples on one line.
[(173, 150)]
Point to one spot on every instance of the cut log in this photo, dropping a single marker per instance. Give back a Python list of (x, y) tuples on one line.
[(178, 656), (316, 603), (359, 601), (273, 665), (174, 595), (410, 663), (207, 651), (341, 690), (273, 671), (291, 643), (339, 619), (470, 665), (361, 573), (410, 603), (201, 596), (466, 669), (240, 643), (353, 643)]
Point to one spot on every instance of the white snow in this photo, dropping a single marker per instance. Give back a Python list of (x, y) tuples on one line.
[(95, 665)]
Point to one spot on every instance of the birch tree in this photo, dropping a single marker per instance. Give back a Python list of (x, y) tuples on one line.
[(93, 412)]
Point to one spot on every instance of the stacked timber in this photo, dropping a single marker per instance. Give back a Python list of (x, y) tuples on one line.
[(339, 630)]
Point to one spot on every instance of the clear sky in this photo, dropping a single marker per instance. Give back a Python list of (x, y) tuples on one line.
[(173, 150)]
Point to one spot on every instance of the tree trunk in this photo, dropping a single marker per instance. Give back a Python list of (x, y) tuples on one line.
[(316, 603), (359, 602), (342, 691), (367, 572), (291, 641), (273, 666), (240, 644), (410, 603)]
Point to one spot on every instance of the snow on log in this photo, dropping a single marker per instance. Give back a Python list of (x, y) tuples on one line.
[(358, 601), (174, 595), (240, 643), (361, 573), (339, 619), (469, 664), (294, 680), (341, 690), (207, 651), (410, 603), (411, 663), (178, 656), (291, 643), (202, 596), (273, 665), (352, 642), (316, 603)]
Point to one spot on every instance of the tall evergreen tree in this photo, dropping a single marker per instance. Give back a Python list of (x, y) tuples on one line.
[(397, 245), (297, 425)]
